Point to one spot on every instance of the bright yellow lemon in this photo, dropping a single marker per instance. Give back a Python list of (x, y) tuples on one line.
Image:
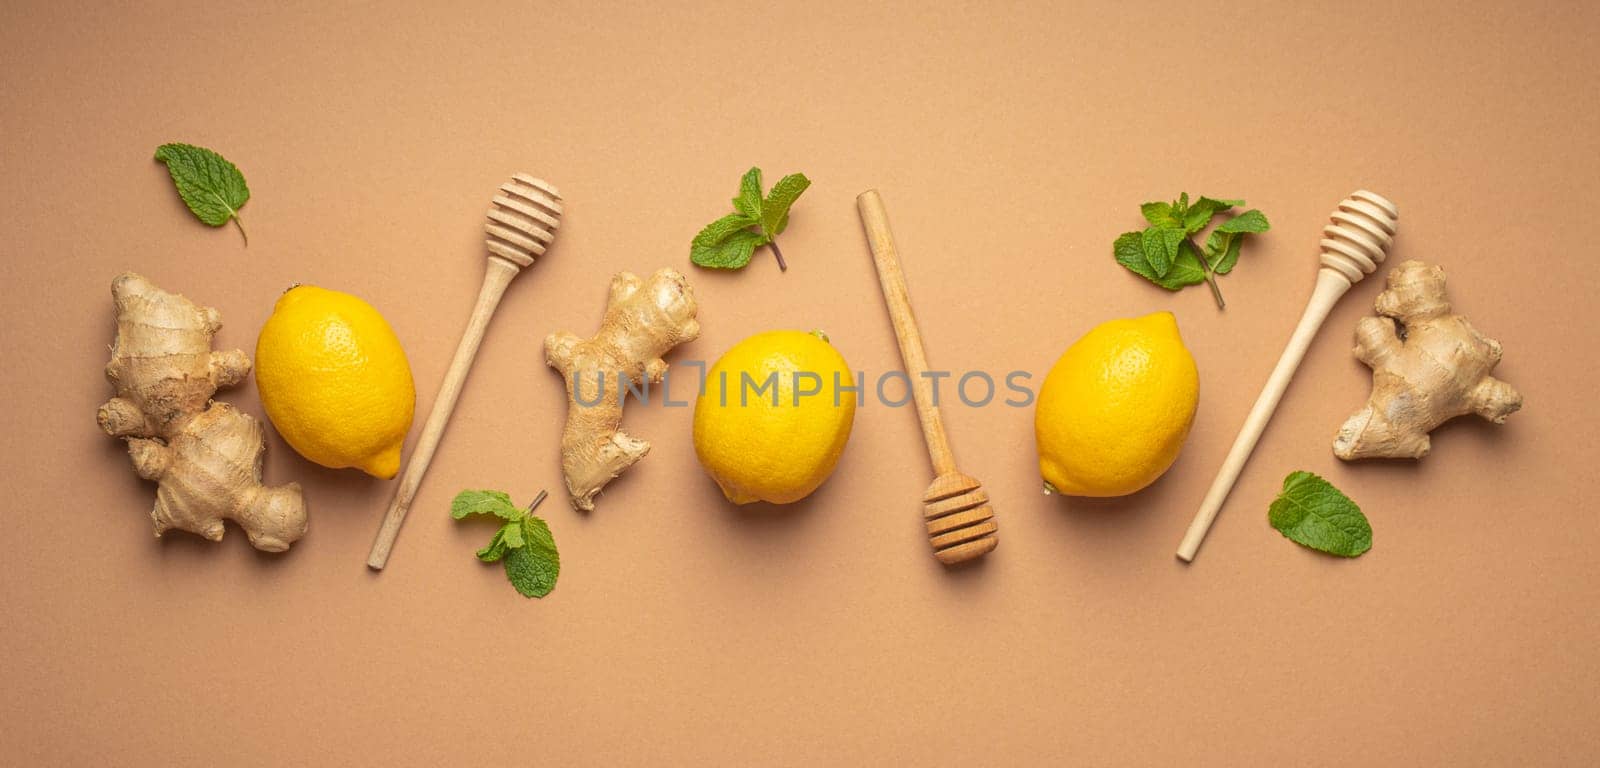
[(1115, 409), (771, 423), (335, 381)]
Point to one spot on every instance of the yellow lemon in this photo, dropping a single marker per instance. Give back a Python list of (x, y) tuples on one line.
[(773, 417), (334, 380), (1115, 409)]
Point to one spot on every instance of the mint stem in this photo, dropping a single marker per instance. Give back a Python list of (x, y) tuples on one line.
[(1211, 276), (1211, 280), (782, 267), (238, 222), (536, 501)]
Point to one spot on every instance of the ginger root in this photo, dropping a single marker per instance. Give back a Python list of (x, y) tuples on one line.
[(643, 320), (1428, 366), (205, 456)]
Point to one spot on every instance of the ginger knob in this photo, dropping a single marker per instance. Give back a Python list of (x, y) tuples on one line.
[(1429, 365), (205, 457)]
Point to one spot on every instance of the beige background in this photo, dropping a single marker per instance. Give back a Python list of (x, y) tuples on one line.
[(1012, 143)]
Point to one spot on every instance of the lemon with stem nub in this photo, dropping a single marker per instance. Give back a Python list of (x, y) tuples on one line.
[(1115, 409), (774, 416), (334, 380)]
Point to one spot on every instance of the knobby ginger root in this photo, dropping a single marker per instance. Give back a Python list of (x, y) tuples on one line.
[(1428, 366), (205, 456), (643, 320)]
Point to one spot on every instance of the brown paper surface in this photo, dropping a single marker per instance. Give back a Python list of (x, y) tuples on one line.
[(1012, 143)]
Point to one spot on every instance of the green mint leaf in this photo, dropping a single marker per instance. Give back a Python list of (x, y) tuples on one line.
[(1161, 246), (1186, 269), (1200, 214), (523, 544), (1204, 210), (729, 242), (719, 230), (1163, 252), (1157, 213), (484, 503), (1230, 255), (732, 253), (1249, 221), (1312, 513), (1222, 251), (496, 548), (1129, 252), (533, 568), (775, 210), (1153, 243), (211, 186), (511, 534), (536, 532), (749, 200)]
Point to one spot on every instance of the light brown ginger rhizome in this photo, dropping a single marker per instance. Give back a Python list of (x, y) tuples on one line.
[(644, 319), (1429, 365), (204, 456)]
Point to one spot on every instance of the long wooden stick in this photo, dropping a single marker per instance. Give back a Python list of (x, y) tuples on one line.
[(1353, 245), (521, 224), (886, 258)]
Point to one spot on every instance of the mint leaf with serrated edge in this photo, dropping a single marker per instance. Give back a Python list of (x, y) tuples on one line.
[(1160, 244), (1312, 513), (523, 543), (484, 503), (729, 242), (536, 536), (775, 209), (1129, 250), (1185, 271), (749, 200), (212, 188), (1222, 245), (719, 230), (731, 253), (1203, 210), (1249, 221), (532, 575), (1157, 213), (496, 548), (1164, 254), (511, 534), (1222, 251), (534, 567)]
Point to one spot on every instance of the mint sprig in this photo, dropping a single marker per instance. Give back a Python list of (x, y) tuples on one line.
[(212, 187), (1312, 513), (729, 242), (1165, 254), (523, 544)]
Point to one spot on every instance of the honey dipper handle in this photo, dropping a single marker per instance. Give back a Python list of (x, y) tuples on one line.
[(496, 277), (1330, 286), (887, 259)]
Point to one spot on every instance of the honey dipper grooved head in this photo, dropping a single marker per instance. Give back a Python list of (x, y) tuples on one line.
[(1358, 235), (524, 219), (960, 521)]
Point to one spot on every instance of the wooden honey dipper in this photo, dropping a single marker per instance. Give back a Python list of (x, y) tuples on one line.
[(521, 225), (960, 521), (1354, 243)]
